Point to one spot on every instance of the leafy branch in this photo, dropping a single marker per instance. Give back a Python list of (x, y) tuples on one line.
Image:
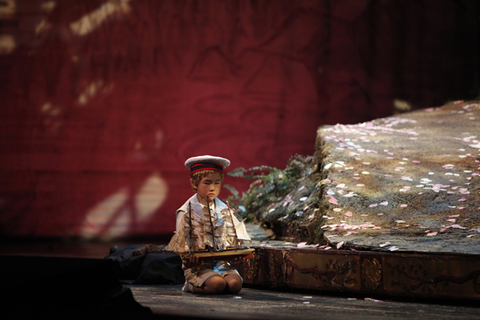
[(270, 184)]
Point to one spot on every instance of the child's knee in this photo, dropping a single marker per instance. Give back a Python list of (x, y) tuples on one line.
[(234, 284), (234, 288), (216, 285)]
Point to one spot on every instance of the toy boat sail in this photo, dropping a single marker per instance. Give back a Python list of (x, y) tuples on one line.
[(212, 252)]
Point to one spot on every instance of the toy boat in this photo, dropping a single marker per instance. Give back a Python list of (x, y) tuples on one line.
[(229, 254)]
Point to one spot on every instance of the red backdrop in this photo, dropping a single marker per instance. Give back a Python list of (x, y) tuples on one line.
[(103, 101)]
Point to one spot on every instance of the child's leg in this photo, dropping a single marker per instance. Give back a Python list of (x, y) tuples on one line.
[(213, 285), (234, 283)]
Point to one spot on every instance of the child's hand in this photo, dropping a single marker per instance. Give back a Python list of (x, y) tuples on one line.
[(193, 261)]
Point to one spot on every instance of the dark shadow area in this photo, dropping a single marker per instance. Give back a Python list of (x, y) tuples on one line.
[(70, 288)]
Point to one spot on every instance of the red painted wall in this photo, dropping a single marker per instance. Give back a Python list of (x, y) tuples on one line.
[(102, 101)]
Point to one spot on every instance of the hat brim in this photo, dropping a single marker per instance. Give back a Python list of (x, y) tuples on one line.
[(205, 160)]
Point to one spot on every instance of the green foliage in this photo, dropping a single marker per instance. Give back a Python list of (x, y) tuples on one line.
[(269, 185)]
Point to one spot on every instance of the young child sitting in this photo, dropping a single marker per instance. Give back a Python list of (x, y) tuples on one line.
[(204, 223)]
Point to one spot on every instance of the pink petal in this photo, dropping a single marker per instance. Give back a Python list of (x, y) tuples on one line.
[(339, 245), (333, 200)]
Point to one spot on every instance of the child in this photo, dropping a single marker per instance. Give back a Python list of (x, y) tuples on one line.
[(202, 216)]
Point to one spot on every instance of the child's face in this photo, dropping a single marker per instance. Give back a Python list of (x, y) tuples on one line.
[(209, 186)]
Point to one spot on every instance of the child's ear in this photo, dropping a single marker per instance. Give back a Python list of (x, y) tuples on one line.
[(194, 187)]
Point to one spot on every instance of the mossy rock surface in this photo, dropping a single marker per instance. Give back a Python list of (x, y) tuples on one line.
[(409, 182)]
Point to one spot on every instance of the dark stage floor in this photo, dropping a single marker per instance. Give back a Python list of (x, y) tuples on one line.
[(70, 280), (252, 303)]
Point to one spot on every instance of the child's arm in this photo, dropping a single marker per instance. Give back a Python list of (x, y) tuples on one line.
[(178, 242), (180, 220)]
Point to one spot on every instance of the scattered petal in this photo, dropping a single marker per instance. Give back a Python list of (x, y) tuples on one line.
[(302, 245), (333, 200)]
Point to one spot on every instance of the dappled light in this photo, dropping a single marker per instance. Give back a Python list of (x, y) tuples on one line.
[(94, 19), (93, 89), (125, 212), (7, 44)]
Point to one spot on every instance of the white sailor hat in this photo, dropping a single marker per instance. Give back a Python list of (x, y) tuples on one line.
[(206, 163)]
